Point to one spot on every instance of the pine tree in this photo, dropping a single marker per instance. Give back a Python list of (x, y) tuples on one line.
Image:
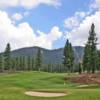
[(32, 63), (71, 57), (86, 59), (49, 67), (98, 61), (12, 65), (20, 63), (25, 66), (1, 63), (24, 63), (38, 62), (80, 68), (17, 63), (7, 58), (68, 56), (29, 63), (90, 52)]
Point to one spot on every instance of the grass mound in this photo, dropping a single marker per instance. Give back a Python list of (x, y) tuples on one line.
[(86, 78)]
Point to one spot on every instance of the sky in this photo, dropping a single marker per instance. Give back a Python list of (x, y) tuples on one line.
[(47, 23)]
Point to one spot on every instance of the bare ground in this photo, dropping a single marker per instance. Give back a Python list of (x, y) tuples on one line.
[(85, 78)]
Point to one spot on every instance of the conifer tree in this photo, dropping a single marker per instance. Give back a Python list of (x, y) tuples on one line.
[(98, 61), (68, 56), (86, 59), (71, 56), (1, 63), (90, 52), (7, 58), (29, 62), (32, 63), (80, 68), (24, 64), (16, 63), (20, 63), (38, 62)]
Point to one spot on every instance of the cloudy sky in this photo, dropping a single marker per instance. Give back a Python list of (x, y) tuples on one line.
[(47, 23)]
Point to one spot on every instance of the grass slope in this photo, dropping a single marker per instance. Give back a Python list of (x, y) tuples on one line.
[(13, 86)]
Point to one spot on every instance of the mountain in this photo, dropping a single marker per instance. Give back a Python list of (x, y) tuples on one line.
[(49, 56)]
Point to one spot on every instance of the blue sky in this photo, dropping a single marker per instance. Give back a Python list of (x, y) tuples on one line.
[(62, 16), (44, 17)]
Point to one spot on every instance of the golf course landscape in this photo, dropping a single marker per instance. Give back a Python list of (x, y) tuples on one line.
[(49, 49), (14, 86)]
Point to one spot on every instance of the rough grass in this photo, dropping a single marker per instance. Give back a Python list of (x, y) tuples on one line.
[(13, 86)]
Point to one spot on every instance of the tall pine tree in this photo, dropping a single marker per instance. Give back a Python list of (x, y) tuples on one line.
[(38, 61), (1, 63), (68, 57), (7, 58), (90, 52), (86, 59), (32, 63)]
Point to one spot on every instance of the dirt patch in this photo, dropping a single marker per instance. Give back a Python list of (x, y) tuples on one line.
[(85, 79), (44, 94)]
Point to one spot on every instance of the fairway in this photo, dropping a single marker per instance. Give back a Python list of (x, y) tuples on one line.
[(14, 86)]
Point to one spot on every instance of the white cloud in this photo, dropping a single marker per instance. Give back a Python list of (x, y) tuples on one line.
[(46, 40), (80, 14), (75, 20), (71, 22), (95, 4), (78, 36), (17, 16), (10, 3), (28, 4), (23, 35)]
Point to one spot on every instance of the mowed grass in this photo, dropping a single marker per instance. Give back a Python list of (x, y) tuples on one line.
[(13, 87)]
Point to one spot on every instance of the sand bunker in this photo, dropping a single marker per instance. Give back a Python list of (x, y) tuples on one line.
[(83, 85), (44, 94)]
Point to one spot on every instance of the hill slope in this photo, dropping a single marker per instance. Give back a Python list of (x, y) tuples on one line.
[(49, 56)]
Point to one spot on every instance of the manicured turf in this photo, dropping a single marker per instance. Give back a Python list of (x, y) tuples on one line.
[(13, 86)]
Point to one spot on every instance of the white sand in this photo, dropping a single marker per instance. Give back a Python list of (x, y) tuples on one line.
[(83, 85), (44, 94)]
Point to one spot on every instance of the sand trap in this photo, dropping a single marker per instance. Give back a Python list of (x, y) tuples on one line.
[(86, 85), (83, 85), (44, 94)]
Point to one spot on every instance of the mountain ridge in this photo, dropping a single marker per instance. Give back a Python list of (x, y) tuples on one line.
[(49, 56)]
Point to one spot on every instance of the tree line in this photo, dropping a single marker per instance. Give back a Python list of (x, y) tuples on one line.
[(90, 62), (26, 63), (91, 59), (22, 63)]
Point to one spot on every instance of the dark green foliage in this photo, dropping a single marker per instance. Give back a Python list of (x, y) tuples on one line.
[(12, 65), (33, 63), (68, 58), (80, 68), (38, 60), (71, 56), (24, 64), (86, 59), (7, 58), (29, 63), (98, 61), (17, 63), (21, 62), (1, 63), (90, 52)]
